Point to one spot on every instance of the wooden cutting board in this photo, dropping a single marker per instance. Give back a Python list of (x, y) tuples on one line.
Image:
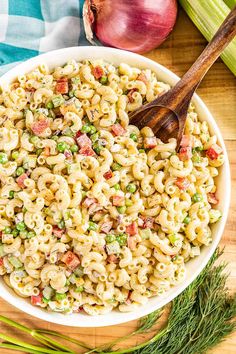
[(218, 91)]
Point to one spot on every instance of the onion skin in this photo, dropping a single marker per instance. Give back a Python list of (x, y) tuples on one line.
[(134, 25)]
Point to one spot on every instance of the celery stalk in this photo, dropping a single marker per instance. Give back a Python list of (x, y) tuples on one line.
[(230, 3), (208, 16)]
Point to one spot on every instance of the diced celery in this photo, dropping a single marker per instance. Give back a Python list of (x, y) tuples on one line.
[(214, 215), (79, 271), (173, 238), (230, 3), (145, 234), (48, 292), (15, 262), (113, 248), (208, 16), (2, 253), (58, 100)]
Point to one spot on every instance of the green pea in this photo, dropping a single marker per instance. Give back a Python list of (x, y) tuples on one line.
[(94, 137), (39, 152), (15, 155), (199, 148), (45, 300), (60, 297), (131, 188), (196, 158), (128, 202), (141, 151), (61, 147), (49, 105), (134, 137), (122, 239), (3, 158), (23, 234), (33, 139), (115, 166), (116, 186), (83, 194), (71, 93), (55, 137), (20, 226), (31, 234), (11, 194), (110, 238), (121, 209), (197, 198), (61, 224), (79, 289), (97, 148), (20, 171), (74, 148), (187, 220), (85, 129), (104, 80), (92, 130), (92, 226), (7, 230), (15, 233)]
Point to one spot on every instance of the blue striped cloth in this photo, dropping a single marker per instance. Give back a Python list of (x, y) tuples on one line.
[(31, 27)]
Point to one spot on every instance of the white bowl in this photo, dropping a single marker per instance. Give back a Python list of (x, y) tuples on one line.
[(195, 266)]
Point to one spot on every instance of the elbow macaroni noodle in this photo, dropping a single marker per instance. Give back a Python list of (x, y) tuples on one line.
[(95, 214)]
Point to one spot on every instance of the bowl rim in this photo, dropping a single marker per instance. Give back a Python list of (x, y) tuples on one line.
[(61, 56)]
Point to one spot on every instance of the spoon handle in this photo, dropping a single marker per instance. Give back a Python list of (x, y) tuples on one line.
[(180, 95)]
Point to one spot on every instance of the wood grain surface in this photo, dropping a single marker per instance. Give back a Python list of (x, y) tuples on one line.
[(218, 90)]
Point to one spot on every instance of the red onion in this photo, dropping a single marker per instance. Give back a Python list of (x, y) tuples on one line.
[(134, 25)]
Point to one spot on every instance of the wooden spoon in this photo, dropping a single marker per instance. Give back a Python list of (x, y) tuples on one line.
[(167, 114)]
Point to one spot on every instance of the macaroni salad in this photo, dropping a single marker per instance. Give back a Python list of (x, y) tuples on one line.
[(96, 214)]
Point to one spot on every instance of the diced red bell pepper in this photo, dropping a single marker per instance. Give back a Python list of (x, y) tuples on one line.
[(83, 140), (108, 174), (132, 229), (39, 126), (142, 77), (62, 86), (186, 141), (213, 152), (182, 183), (150, 143), (0, 234), (98, 72), (87, 151), (130, 95), (78, 134), (21, 179), (185, 153), (212, 199), (57, 231), (106, 226), (71, 260), (117, 129), (118, 200), (1, 261), (36, 300), (112, 258)]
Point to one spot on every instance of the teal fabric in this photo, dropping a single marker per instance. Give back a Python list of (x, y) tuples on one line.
[(31, 27)]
